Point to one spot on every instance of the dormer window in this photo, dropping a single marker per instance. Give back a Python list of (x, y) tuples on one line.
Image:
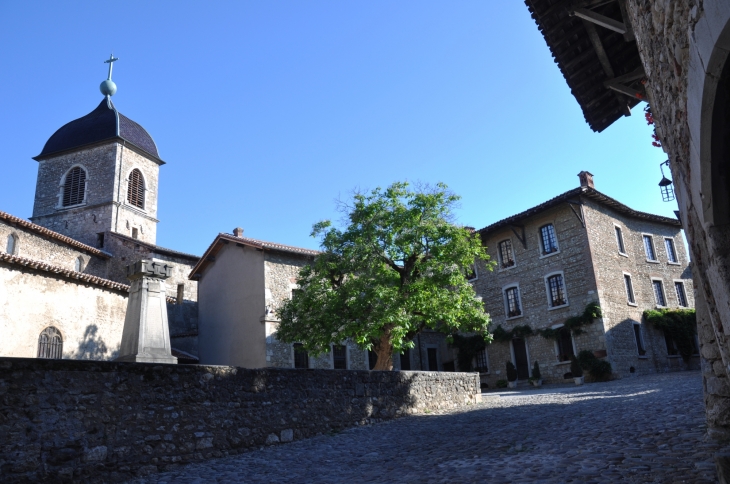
[(506, 255), (548, 240), (135, 189), (74, 187)]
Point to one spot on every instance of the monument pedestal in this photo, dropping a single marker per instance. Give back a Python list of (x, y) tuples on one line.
[(146, 336)]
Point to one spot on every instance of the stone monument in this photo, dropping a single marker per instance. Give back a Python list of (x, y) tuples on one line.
[(146, 336)]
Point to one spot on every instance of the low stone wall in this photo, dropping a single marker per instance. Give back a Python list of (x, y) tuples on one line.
[(63, 420)]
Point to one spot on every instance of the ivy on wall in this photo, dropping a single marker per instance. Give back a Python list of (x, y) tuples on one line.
[(575, 324), (679, 324), (502, 335)]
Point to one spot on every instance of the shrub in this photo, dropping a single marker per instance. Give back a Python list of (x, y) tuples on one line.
[(536, 371), (601, 370), (511, 372), (586, 359), (501, 384), (575, 368)]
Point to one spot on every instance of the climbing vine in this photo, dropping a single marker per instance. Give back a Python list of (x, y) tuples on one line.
[(679, 324), (468, 347), (502, 335), (650, 121), (576, 323)]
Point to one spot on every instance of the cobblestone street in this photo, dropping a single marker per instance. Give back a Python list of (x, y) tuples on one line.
[(639, 430)]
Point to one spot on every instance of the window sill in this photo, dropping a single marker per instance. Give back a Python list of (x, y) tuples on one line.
[(632, 304), (135, 208), (70, 207), (644, 357), (510, 318), (559, 307), (652, 261), (561, 363), (545, 256), (505, 269), (661, 307), (674, 263), (623, 254)]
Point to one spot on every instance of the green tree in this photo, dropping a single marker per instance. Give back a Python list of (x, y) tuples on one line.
[(398, 267)]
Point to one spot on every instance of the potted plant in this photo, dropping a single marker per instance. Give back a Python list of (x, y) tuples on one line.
[(511, 375), (576, 370), (536, 380)]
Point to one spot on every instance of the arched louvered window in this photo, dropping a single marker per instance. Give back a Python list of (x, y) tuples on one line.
[(135, 190), (74, 187), (50, 343)]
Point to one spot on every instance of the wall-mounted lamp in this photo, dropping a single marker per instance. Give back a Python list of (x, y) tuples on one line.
[(666, 185)]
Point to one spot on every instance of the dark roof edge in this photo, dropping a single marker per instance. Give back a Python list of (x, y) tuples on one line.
[(588, 192), (157, 248), (54, 235), (117, 138), (65, 273)]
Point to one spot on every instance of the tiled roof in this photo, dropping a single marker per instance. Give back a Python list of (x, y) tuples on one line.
[(102, 124), (65, 273), (575, 193), (12, 219), (222, 238), (157, 248), (582, 66)]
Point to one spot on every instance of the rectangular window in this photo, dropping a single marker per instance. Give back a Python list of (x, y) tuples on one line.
[(405, 360), (433, 361), (620, 240), (659, 293), (135, 233), (556, 290), (629, 289), (372, 359), (671, 253), (506, 257), (481, 361), (649, 248), (513, 302), (301, 357), (471, 273), (639, 340), (100, 240), (548, 240), (339, 357), (672, 349), (681, 295), (565, 345)]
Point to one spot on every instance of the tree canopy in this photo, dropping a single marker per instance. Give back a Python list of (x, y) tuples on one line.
[(399, 266)]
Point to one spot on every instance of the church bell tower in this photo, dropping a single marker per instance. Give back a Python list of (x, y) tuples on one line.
[(98, 174)]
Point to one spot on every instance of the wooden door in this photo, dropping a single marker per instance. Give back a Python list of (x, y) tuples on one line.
[(521, 362)]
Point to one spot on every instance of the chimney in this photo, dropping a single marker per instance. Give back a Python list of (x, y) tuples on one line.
[(238, 232), (586, 179)]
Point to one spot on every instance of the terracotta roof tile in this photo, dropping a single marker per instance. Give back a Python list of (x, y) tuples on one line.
[(12, 219)]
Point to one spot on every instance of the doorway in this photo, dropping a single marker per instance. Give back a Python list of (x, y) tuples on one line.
[(521, 362)]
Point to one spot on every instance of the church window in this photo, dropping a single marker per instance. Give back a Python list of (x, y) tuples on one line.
[(74, 187), (12, 245), (50, 343), (135, 189)]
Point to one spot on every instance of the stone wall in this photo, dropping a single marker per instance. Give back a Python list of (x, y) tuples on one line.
[(106, 422), (31, 245), (683, 46), (90, 318)]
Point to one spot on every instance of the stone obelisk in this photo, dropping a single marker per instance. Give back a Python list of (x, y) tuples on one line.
[(146, 336)]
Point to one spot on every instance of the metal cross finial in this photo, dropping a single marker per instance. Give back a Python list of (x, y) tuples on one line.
[(111, 61)]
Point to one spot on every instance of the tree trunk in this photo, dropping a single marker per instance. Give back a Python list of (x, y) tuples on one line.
[(384, 350)]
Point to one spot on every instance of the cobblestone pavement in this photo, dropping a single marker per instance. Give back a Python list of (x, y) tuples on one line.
[(638, 430)]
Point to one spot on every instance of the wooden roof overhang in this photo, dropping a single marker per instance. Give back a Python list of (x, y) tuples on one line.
[(593, 44)]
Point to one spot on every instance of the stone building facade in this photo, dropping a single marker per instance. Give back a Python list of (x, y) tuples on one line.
[(242, 282), (578, 248)]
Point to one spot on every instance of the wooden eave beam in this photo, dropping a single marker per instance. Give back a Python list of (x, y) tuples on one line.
[(598, 19), (632, 93), (605, 63), (629, 35)]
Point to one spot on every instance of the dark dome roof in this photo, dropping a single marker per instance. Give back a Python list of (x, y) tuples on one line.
[(103, 123)]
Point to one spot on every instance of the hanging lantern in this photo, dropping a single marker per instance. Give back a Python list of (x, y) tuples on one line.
[(666, 185)]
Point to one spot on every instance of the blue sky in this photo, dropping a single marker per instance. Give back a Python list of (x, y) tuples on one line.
[(267, 112)]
